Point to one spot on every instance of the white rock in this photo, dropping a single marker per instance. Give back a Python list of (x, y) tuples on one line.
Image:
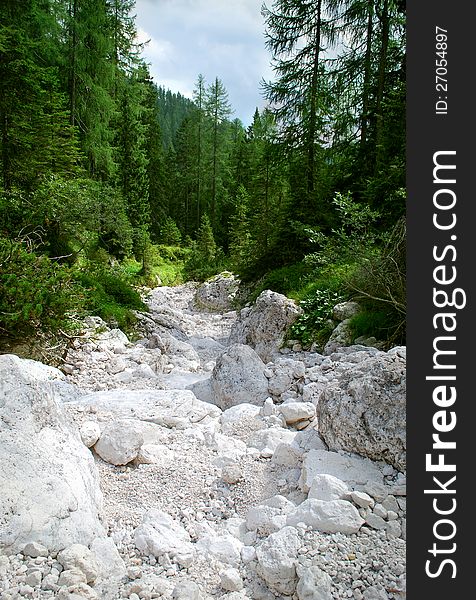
[(271, 438), (163, 407), (314, 584), (155, 454), (71, 577), (375, 521), (327, 487), (375, 593), (230, 580), (262, 518), (120, 442), (345, 310), (90, 432), (231, 473), (277, 558), (288, 455), (111, 567), (376, 388), (297, 411), (225, 548), (328, 517), (238, 377), (248, 553), (81, 558), (186, 590), (160, 534), (362, 499), (53, 486), (218, 292), (341, 336), (34, 550), (264, 326), (350, 469), (241, 415)]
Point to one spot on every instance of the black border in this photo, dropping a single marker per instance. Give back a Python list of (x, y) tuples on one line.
[(428, 132)]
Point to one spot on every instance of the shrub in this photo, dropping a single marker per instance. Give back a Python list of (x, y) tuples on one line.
[(314, 324), (379, 284), (36, 293)]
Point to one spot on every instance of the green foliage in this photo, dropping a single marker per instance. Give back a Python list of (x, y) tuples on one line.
[(314, 324), (206, 258), (379, 284), (355, 237), (169, 233), (372, 323), (35, 292), (110, 297)]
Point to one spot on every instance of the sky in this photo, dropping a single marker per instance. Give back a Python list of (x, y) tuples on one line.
[(217, 38)]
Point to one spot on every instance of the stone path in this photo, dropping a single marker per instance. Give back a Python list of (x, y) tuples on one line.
[(220, 503)]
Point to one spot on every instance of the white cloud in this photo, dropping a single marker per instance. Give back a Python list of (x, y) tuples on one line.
[(221, 38)]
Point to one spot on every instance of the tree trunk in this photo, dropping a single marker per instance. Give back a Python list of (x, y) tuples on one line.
[(367, 75), (311, 158), (382, 67)]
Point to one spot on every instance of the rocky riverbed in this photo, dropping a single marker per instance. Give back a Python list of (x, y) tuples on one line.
[(203, 461)]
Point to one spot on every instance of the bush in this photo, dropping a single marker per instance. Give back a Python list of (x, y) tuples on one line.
[(379, 284), (36, 293), (110, 297), (314, 324)]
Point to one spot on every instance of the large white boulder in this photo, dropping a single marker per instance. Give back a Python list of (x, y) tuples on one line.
[(293, 412), (218, 292), (238, 377), (168, 408), (314, 584), (225, 548), (353, 470), (327, 487), (365, 410), (270, 515), (120, 442), (329, 517), (48, 480), (277, 559), (160, 534), (264, 325)]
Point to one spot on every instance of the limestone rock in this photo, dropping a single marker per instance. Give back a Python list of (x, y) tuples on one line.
[(345, 310), (120, 442), (238, 377), (314, 584), (168, 408), (264, 326), (341, 336), (160, 534), (225, 548), (81, 558), (349, 468), (277, 557), (230, 580), (294, 412), (218, 292), (90, 433), (263, 518), (53, 488), (365, 410), (327, 487), (328, 517)]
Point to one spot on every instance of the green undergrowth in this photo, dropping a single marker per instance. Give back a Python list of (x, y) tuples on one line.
[(164, 265)]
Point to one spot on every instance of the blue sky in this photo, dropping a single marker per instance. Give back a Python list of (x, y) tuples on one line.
[(223, 38)]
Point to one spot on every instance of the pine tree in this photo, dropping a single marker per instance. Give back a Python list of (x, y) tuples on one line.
[(218, 109), (296, 33)]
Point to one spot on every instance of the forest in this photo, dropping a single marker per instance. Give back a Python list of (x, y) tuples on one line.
[(110, 182)]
